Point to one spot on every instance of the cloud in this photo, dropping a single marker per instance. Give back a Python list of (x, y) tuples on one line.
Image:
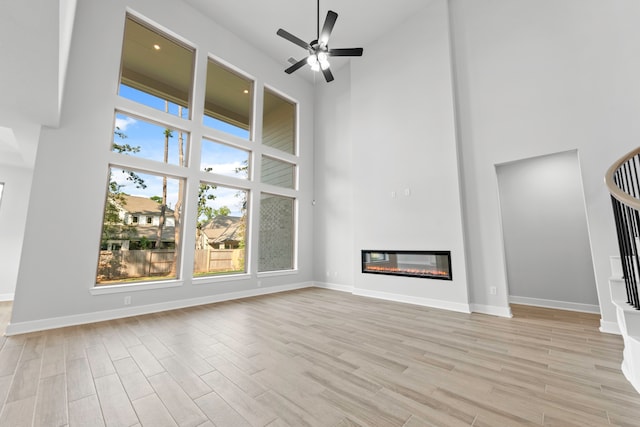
[(123, 123)]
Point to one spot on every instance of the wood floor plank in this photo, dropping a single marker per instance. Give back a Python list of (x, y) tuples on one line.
[(18, 413), (85, 412), (219, 411), (253, 411), (116, 406), (152, 412), (51, 404), (180, 406), (53, 360), (315, 357), (79, 379), (145, 360), (25, 380), (133, 380), (188, 380), (9, 357)]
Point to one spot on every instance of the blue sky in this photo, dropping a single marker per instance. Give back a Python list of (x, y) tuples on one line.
[(150, 138)]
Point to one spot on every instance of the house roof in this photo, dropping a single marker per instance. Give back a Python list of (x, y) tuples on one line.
[(142, 205), (223, 229)]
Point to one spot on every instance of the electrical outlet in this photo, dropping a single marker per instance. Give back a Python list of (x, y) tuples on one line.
[(493, 290), (127, 300)]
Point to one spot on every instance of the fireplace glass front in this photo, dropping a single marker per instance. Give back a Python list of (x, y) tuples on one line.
[(423, 264)]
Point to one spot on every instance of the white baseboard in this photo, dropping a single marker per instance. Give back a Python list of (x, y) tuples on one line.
[(609, 327), (334, 287), (560, 305), (427, 302), (493, 310), (84, 318), (6, 297)]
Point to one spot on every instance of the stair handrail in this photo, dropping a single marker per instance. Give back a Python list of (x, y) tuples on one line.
[(623, 181), (614, 189)]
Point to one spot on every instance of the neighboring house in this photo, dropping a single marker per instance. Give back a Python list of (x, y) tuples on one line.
[(141, 218), (221, 232)]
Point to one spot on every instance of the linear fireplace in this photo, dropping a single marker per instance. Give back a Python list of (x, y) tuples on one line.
[(424, 264)]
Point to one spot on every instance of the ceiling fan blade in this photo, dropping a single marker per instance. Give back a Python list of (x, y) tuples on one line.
[(329, 22), (354, 51), (328, 76), (296, 66), (293, 39)]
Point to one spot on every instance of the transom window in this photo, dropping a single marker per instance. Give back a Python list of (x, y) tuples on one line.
[(143, 236)]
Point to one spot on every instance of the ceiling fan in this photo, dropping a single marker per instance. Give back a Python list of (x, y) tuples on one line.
[(318, 49)]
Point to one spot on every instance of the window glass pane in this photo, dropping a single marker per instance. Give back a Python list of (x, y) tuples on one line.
[(156, 70), (132, 248), (137, 137), (220, 231), (224, 160), (227, 105), (278, 123), (276, 240), (276, 172)]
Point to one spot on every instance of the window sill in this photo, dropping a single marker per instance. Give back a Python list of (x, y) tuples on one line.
[(277, 273), (134, 287)]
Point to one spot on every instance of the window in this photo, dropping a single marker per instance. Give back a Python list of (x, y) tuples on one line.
[(131, 253), (224, 159), (220, 230), (149, 175), (276, 246), (278, 122), (156, 70), (227, 104), (142, 138), (277, 172)]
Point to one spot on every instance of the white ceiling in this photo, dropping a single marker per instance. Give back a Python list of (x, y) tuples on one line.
[(359, 23)]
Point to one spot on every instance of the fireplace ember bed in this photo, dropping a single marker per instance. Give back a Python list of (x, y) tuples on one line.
[(422, 264)]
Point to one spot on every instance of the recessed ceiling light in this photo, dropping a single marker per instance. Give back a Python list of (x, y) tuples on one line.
[(246, 91), (156, 46)]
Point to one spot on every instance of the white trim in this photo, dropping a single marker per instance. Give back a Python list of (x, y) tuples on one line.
[(493, 310), (6, 297), (276, 273), (561, 305), (84, 318), (427, 302), (628, 374), (133, 287), (334, 287), (609, 327)]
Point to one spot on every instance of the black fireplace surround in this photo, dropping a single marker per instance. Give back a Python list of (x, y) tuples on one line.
[(422, 264)]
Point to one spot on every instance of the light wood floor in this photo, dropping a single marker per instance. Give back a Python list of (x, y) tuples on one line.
[(321, 358)]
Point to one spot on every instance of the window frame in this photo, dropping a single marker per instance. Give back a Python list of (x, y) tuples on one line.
[(197, 132)]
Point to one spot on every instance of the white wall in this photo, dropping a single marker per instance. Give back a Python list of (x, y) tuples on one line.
[(66, 204), (13, 214), (335, 257), (403, 138), (535, 78), (546, 239)]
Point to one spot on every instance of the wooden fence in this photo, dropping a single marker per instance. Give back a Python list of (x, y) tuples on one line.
[(118, 265)]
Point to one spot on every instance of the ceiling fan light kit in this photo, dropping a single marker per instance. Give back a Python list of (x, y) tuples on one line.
[(318, 50)]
